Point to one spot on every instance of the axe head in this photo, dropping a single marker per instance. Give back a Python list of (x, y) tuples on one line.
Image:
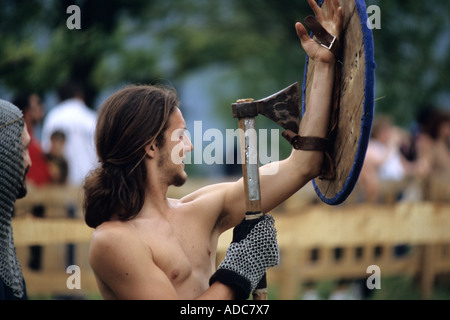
[(282, 107)]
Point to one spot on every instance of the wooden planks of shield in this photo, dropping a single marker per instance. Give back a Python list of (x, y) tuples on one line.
[(356, 103)]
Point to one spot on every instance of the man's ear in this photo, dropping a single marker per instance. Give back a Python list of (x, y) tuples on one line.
[(150, 150)]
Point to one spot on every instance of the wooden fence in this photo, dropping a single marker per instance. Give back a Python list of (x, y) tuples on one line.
[(317, 242), (324, 242)]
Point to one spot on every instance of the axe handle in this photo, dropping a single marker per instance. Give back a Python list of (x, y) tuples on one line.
[(250, 172), (250, 169)]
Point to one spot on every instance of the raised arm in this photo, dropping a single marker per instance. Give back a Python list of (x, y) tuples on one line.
[(301, 166)]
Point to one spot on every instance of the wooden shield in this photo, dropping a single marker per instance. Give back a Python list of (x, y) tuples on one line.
[(355, 105)]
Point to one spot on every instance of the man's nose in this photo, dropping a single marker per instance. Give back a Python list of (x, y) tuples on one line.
[(188, 147)]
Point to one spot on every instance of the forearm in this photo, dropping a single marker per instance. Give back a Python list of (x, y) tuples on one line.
[(315, 121), (217, 291), (280, 180)]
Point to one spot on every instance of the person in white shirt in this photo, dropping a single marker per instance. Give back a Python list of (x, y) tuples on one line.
[(384, 161), (77, 121)]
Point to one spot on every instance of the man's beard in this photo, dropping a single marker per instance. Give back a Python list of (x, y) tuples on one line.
[(173, 178), (178, 180), (23, 188)]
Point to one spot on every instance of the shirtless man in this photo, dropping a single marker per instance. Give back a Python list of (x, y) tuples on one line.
[(147, 246)]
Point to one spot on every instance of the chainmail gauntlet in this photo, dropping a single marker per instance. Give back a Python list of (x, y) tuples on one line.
[(253, 250)]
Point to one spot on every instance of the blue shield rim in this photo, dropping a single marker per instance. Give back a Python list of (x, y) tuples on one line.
[(368, 109)]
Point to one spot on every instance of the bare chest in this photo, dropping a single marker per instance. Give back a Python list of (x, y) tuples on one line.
[(183, 252)]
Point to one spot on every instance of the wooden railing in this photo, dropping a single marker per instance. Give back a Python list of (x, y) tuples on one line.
[(316, 241), (324, 242)]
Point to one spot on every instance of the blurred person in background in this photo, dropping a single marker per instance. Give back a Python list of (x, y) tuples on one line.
[(433, 143), (433, 151), (14, 164), (384, 162), (387, 174), (58, 165), (77, 122), (33, 113)]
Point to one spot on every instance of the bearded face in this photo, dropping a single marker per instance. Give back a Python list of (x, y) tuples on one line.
[(173, 150), (175, 175)]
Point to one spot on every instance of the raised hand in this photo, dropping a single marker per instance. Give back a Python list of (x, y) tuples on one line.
[(331, 20)]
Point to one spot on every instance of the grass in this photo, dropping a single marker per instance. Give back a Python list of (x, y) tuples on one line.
[(392, 288)]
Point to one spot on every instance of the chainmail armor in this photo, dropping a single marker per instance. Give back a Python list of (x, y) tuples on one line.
[(252, 256), (11, 180)]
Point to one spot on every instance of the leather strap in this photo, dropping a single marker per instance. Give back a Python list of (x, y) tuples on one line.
[(306, 143), (314, 144), (324, 38)]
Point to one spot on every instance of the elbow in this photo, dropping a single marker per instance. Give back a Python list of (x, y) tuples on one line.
[(316, 170), (313, 167)]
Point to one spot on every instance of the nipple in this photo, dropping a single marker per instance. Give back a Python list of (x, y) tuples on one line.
[(175, 274)]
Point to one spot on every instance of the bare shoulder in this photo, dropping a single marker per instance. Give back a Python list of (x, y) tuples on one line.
[(210, 199), (111, 233), (208, 191), (111, 240), (222, 203)]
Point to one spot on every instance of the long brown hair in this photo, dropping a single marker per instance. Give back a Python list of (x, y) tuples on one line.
[(128, 120)]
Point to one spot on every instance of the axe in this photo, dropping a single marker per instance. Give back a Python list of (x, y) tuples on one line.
[(283, 108)]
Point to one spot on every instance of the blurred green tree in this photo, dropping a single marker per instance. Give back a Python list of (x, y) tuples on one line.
[(253, 43), (40, 52), (412, 51)]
